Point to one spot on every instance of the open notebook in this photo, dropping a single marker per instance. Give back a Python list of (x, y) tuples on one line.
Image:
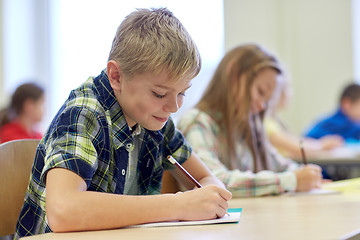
[(233, 218)]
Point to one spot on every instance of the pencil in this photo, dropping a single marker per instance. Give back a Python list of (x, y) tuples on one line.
[(303, 152), (193, 180), (173, 161)]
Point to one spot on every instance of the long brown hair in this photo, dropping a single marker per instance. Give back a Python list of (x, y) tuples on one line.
[(228, 93)]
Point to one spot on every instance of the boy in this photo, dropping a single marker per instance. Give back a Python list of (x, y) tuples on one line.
[(108, 143), (345, 122)]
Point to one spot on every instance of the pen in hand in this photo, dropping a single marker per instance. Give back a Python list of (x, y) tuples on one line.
[(303, 152), (196, 183)]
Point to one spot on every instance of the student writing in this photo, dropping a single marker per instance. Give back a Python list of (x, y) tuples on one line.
[(226, 127), (344, 121), (107, 146), (286, 142)]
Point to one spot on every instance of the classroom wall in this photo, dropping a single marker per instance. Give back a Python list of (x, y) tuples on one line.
[(25, 43), (2, 98), (312, 38), (355, 8)]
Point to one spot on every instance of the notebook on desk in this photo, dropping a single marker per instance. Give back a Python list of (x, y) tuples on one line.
[(341, 186), (315, 191), (234, 217), (345, 186)]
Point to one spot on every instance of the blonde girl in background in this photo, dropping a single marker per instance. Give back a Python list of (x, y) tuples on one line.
[(287, 143), (226, 128)]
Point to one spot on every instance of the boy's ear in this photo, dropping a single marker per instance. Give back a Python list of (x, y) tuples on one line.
[(346, 104), (114, 74)]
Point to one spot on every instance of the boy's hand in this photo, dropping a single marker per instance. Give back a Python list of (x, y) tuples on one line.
[(308, 177), (204, 203), (331, 141)]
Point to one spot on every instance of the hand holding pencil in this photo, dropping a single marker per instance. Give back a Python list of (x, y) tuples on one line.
[(309, 176), (211, 196), (303, 152)]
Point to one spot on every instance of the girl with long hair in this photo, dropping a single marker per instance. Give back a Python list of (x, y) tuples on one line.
[(226, 127)]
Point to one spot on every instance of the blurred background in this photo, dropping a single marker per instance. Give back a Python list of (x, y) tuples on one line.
[(61, 43)]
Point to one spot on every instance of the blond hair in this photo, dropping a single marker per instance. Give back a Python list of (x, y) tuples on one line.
[(152, 41), (228, 93)]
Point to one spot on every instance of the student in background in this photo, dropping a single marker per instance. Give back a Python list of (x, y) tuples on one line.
[(226, 128), (345, 121), (19, 120), (108, 144), (287, 143)]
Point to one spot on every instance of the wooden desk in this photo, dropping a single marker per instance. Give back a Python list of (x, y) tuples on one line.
[(278, 217)]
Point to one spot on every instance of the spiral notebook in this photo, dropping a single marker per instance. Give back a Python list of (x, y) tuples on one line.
[(234, 217)]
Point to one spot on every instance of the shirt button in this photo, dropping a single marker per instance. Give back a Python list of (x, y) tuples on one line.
[(123, 172), (129, 147)]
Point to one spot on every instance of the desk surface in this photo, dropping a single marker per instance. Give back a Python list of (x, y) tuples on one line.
[(279, 217), (349, 154), (340, 163)]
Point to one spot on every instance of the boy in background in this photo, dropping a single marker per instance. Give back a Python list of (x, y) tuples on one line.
[(345, 122), (107, 146)]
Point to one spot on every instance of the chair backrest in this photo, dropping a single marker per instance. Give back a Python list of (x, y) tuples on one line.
[(169, 183), (16, 160)]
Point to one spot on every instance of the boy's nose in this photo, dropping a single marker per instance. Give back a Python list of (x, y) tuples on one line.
[(172, 106)]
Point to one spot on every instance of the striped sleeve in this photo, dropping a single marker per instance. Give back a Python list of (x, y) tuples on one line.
[(205, 142)]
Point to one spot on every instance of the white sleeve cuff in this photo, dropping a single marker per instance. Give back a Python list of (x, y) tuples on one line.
[(288, 181)]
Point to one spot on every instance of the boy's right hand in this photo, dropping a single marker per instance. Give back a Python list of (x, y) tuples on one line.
[(308, 177), (204, 203)]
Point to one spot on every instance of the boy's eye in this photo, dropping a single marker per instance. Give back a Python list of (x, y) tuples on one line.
[(158, 95), (182, 94)]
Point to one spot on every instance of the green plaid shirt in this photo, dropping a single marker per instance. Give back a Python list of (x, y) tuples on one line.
[(90, 136)]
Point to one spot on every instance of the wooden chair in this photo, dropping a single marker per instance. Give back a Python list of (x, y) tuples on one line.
[(169, 183), (16, 160)]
